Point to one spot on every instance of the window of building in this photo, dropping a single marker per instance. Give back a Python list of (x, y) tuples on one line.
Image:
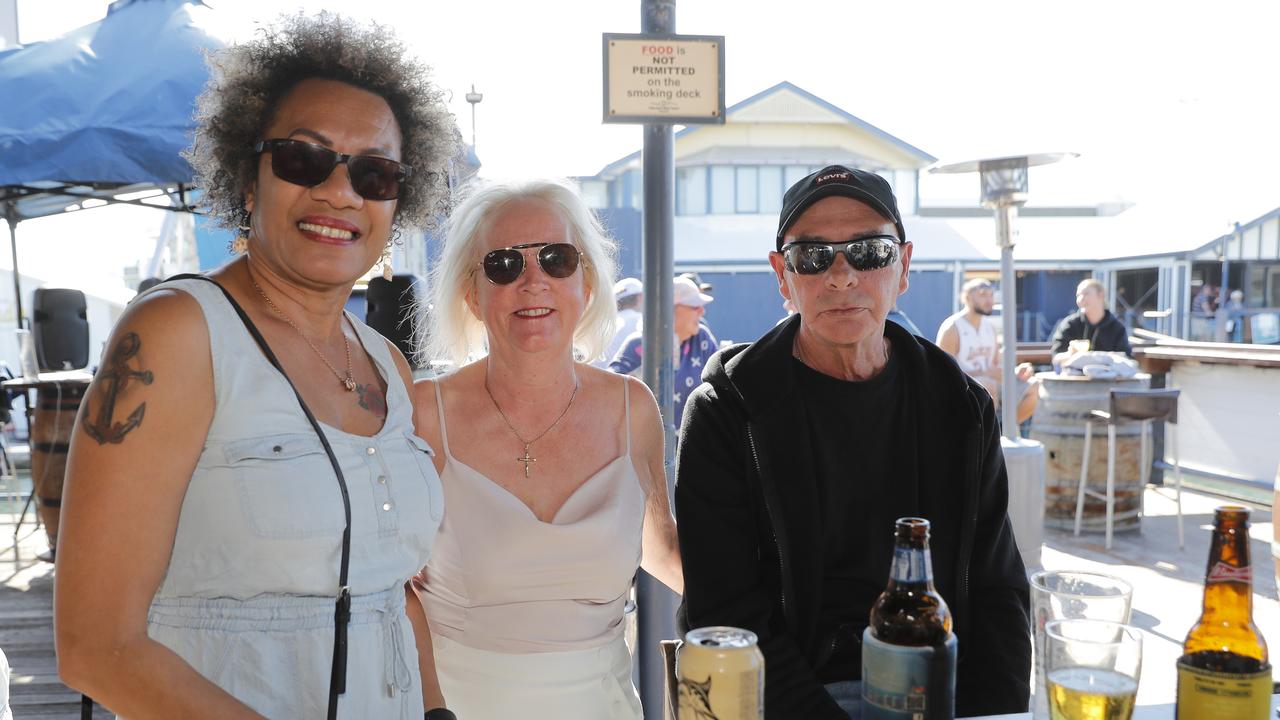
[(722, 190), (734, 189), (1256, 288), (748, 188), (771, 189), (795, 173), (691, 191), (1270, 240)]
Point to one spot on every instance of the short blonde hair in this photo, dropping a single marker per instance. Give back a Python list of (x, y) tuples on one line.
[(974, 284), (452, 332), (1092, 284)]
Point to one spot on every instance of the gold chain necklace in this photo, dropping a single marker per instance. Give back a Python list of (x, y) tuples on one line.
[(349, 381), (527, 458)]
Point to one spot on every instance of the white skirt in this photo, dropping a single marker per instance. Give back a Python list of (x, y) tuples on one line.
[(582, 684)]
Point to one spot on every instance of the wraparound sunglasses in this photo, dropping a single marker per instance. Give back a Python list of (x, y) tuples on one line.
[(808, 257), (307, 164), (505, 265)]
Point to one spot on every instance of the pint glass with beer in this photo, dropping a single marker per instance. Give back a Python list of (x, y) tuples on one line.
[(1093, 669)]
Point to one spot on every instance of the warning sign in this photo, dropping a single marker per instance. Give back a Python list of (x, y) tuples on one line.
[(676, 79)]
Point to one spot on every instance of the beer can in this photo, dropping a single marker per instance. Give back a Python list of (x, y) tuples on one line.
[(721, 675)]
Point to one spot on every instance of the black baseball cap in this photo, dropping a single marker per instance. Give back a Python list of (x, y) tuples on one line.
[(838, 180)]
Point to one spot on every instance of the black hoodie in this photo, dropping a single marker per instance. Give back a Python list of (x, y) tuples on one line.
[(746, 501), (1109, 335)]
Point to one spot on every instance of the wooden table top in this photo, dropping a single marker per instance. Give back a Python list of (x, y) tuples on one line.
[(65, 378)]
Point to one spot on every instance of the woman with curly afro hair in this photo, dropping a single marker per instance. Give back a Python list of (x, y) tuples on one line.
[(246, 497)]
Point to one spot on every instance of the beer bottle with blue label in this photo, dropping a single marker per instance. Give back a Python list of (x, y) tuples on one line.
[(908, 650), (1223, 671)]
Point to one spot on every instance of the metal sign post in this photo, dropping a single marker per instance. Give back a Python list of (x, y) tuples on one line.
[(659, 79), (11, 219)]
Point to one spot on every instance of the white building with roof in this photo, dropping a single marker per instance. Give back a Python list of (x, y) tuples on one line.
[(730, 180)]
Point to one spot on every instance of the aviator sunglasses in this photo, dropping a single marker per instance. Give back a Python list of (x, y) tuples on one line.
[(807, 257), (503, 266), (308, 164)]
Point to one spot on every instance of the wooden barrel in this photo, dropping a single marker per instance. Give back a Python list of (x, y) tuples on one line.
[(50, 437), (1059, 423)]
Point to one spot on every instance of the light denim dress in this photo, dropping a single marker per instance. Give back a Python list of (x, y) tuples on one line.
[(248, 597)]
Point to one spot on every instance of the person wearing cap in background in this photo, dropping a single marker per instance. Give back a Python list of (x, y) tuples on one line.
[(800, 450), (1235, 315), (694, 341), (629, 294), (703, 287)]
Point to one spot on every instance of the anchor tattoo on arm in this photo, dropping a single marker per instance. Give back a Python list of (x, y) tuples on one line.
[(116, 376)]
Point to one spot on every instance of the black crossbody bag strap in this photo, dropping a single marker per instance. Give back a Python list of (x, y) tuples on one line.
[(342, 612)]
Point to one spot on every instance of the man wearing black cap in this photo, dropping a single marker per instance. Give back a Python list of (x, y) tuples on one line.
[(800, 450)]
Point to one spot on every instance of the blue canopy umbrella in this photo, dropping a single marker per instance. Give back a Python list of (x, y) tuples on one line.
[(102, 113)]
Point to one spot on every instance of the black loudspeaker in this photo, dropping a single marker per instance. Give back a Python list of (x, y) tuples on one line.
[(60, 327), (389, 310)]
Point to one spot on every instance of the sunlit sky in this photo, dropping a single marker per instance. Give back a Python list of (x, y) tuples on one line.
[(1172, 105)]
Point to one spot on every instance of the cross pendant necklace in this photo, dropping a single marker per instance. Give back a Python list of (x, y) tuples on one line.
[(526, 459)]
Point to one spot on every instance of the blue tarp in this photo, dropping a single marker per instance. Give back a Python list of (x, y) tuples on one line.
[(110, 102)]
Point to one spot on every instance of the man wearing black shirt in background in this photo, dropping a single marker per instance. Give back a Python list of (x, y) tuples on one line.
[(1094, 323), (799, 451)]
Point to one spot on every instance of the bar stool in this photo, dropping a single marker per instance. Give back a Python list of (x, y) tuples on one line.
[(1143, 406)]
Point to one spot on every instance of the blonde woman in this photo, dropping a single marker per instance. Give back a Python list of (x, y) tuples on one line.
[(552, 469)]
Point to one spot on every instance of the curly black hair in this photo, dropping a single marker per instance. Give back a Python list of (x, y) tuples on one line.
[(248, 80)]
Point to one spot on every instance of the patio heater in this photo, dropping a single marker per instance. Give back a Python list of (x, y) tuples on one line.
[(1004, 189)]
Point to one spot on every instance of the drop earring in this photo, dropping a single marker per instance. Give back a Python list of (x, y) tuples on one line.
[(240, 245), (387, 272)]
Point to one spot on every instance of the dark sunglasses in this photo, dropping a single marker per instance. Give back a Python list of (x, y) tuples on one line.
[(502, 267), (308, 164), (806, 257)]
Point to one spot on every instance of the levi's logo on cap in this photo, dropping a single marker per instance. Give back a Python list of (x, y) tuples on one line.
[(838, 175)]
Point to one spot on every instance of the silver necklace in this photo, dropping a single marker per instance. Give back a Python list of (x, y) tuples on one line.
[(349, 380), (527, 459)]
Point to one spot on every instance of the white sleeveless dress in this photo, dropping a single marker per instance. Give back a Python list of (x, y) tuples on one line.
[(527, 616)]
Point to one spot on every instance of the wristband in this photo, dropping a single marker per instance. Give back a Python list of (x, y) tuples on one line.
[(439, 714)]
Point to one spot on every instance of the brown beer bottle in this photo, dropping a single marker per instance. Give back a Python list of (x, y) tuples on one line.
[(910, 611), (1223, 671), (908, 650)]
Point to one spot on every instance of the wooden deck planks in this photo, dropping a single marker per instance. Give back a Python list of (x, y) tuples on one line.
[(26, 629)]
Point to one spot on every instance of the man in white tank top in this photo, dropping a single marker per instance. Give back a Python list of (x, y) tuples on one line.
[(970, 337)]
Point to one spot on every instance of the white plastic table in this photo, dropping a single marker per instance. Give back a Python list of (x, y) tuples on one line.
[(1142, 712)]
